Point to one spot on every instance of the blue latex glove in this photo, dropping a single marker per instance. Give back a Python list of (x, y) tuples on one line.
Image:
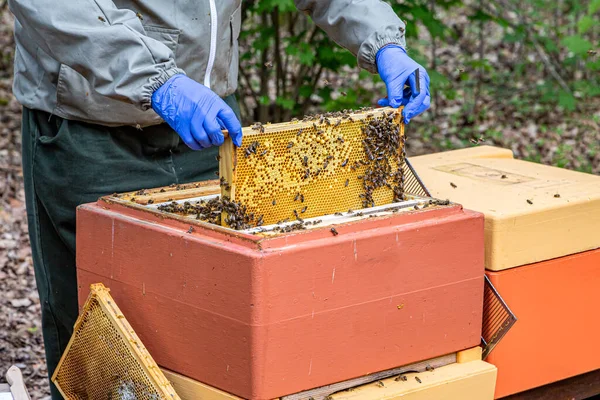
[(397, 69), (196, 113)]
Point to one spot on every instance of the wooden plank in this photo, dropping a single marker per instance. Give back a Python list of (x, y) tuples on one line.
[(177, 195), (579, 387), (325, 391), (14, 377), (165, 193), (469, 355), (474, 380), (189, 389)]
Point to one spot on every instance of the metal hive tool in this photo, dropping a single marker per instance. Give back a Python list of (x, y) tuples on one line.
[(497, 318), (105, 359), (308, 168)]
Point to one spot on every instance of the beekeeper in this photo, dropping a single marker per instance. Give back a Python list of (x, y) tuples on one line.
[(99, 79)]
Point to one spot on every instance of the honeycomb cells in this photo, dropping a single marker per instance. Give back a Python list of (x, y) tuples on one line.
[(100, 365), (306, 169)]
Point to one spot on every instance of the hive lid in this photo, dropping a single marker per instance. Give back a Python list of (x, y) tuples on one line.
[(533, 212)]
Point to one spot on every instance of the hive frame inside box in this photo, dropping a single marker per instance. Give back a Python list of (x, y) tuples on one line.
[(416, 194)]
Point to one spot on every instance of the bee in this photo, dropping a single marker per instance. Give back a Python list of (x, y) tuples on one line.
[(260, 221), (453, 185), (274, 202), (162, 190), (315, 126), (101, 19), (290, 145), (529, 201), (338, 214), (299, 132), (334, 231), (218, 157), (350, 211), (132, 199), (301, 198), (326, 82), (306, 173), (416, 207), (269, 64), (297, 196), (473, 141), (429, 368), (344, 94), (380, 384), (150, 201), (503, 177), (557, 195), (305, 161), (344, 162), (347, 181), (417, 379), (592, 52), (139, 16), (325, 164), (304, 209), (263, 153), (217, 173), (296, 213), (401, 378), (190, 230), (339, 121)]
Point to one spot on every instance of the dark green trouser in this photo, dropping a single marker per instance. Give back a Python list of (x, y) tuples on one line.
[(68, 163)]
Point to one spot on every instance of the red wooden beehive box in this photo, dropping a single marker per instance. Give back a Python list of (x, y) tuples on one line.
[(262, 317)]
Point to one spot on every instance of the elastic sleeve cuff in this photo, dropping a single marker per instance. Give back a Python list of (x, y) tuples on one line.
[(156, 82), (367, 52)]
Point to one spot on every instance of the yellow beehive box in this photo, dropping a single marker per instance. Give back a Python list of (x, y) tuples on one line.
[(533, 212)]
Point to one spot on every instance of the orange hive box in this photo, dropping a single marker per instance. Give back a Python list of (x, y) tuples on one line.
[(266, 316), (557, 303), (541, 227)]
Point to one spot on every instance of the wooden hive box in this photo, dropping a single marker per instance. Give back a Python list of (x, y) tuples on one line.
[(542, 256), (262, 317)]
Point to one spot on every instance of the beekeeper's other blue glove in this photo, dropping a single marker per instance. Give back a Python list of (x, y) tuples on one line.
[(397, 69), (196, 113)]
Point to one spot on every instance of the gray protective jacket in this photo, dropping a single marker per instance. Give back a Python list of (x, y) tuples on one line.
[(99, 61)]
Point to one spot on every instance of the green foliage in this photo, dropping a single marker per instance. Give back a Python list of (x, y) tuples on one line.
[(288, 63), (577, 44)]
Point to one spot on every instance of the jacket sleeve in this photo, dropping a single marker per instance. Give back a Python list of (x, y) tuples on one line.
[(103, 43), (361, 26)]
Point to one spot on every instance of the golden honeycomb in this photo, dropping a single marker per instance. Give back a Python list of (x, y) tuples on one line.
[(303, 168), (106, 360)]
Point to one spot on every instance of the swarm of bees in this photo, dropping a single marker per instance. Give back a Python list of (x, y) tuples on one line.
[(252, 147), (381, 144), (211, 211)]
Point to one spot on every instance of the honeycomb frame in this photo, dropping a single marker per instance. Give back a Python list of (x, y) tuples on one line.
[(295, 172), (105, 358)]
